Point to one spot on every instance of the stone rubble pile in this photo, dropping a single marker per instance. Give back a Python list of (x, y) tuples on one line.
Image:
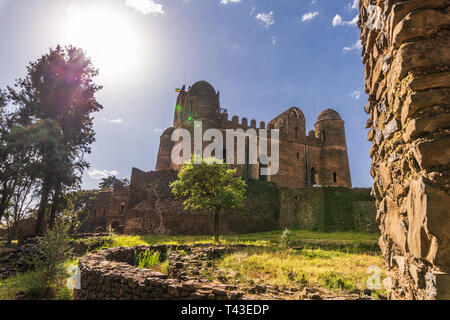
[(17, 260)]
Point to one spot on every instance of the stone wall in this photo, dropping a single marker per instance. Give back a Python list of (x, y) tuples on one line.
[(154, 210), (110, 275), (407, 57), (328, 209)]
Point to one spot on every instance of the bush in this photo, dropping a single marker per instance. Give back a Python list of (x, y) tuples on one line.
[(148, 259), (54, 250), (285, 241)]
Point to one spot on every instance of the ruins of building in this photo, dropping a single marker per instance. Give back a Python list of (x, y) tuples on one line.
[(319, 158), (407, 59), (292, 198), (108, 210)]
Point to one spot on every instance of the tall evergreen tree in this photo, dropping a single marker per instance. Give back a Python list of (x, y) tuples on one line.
[(59, 93)]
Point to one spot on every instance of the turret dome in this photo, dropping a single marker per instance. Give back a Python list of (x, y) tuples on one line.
[(328, 114)]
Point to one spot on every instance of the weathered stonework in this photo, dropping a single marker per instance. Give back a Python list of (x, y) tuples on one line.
[(317, 158), (153, 209), (108, 210), (407, 58), (110, 275)]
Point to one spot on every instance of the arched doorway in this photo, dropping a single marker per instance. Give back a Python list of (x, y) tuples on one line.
[(116, 227)]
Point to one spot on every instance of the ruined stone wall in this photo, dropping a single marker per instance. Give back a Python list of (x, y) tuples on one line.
[(407, 58), (154, 210), (111, 275), (328, 209), (267, 207)]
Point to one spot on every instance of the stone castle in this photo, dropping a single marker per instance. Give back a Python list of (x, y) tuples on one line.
[(319, 158), (311, 190)]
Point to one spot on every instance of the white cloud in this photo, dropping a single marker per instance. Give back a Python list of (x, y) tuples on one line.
[(225, 2), (100, 174), (114, 121), (266, 18), (356, 46), (309, 16), (157, 130), (356, 94), (355, 4), (337, 21), (274, 40), (145, 6)]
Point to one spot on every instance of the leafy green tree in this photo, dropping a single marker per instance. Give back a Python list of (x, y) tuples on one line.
[(74, 208), (110, 182), (209, 185), (59, 91)]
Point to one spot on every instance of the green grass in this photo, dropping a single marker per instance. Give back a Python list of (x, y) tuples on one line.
[(152, 260), (337, 260), (297, 237), (287, 268), (26, 282)]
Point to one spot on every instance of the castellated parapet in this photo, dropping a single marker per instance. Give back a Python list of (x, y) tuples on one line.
[(317, 159)]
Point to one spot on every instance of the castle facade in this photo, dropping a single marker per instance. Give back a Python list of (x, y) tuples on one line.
[(317, 159)]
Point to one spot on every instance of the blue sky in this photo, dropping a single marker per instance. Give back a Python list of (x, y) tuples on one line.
[(264, 56)]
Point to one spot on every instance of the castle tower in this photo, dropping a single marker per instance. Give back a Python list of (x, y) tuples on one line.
[(335, 168), (199, 103), (165, 150)]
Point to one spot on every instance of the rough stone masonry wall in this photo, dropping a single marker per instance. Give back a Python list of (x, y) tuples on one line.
[(328, 209), (407, 58), (153, 209), (110, 275)]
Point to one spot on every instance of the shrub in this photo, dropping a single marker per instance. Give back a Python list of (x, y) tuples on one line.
[(54, 250), (284, 239), (148, 259)]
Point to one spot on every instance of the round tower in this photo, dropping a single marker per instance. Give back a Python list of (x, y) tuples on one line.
[(165, 150), (200, 103), (335, 168)]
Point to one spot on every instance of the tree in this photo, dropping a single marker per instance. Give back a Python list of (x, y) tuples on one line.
[(74, 208), (59, 92), (209, 185), (4, 189), (111, 181)]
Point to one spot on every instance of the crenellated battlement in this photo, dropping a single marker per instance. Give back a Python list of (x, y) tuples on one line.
[(319, 158)]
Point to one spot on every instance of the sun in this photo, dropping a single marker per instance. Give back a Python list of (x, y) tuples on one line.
[(110, 40)]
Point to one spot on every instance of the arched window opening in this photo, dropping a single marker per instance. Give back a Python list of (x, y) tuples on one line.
[(296, 133), (334, 177)]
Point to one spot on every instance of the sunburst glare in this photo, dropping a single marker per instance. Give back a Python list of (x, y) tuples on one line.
[(109, 38)]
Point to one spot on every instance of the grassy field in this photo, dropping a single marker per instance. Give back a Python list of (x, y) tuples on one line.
[(335, 261), (297, 237), (286, 268)]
